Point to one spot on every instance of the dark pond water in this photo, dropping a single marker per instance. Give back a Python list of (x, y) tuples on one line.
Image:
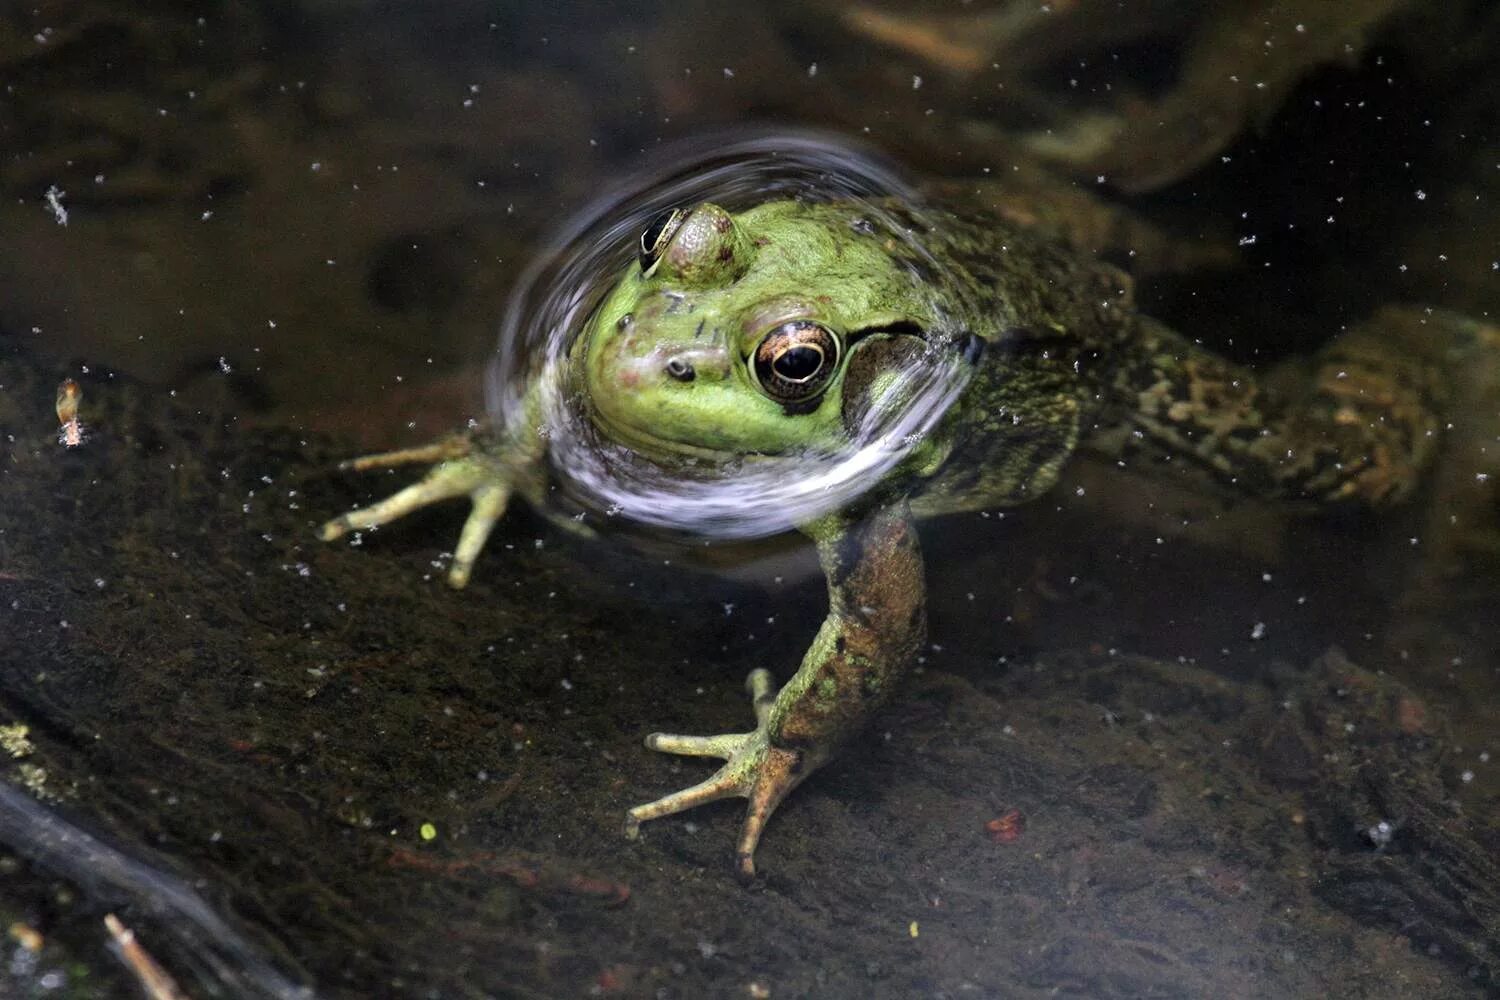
[(1157, 743)]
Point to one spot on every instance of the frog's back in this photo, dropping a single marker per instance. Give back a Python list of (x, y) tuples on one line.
[(1069, 363), (1051, 323)]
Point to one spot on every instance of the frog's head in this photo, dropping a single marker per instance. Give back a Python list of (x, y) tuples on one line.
[(751, 333)]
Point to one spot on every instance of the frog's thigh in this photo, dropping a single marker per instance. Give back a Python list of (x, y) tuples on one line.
[(1381, 396), (1359, 423)]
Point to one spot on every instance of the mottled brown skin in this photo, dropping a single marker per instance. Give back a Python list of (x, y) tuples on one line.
[(1059, 360), (1070, 364)]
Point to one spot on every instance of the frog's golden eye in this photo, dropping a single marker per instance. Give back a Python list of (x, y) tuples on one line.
[(795, 361), (655, 237)]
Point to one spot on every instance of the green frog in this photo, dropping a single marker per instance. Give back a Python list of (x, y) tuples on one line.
[(776, 330)]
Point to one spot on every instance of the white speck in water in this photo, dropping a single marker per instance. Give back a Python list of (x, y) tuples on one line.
[(54, 197), (1259, 631)]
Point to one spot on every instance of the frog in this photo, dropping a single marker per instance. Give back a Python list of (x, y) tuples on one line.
[(774, 330)]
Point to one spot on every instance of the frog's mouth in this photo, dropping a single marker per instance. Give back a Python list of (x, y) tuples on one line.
[(665, 449), (653, 447)]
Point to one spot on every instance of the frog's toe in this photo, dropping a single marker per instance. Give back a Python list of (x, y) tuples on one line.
[(452, 446), (753, 769), (780, 771), (723, 785), (489, 501), (440, 484), (722, 746)]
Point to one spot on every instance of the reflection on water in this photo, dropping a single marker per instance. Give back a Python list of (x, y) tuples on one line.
[(241, 227)]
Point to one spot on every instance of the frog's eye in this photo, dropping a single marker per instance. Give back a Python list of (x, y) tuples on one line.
[(795, 361), (655, 237)]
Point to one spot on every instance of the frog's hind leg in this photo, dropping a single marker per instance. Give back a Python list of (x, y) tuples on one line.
[(1405, 391), (1359, 425), (1464, 483), (1445, 613), (459, 471), (1407, 401)]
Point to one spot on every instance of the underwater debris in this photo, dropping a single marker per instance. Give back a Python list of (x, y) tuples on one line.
[(155, 981), (70, 433)]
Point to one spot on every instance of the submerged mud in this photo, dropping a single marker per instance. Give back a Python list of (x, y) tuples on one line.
[(389, 788)]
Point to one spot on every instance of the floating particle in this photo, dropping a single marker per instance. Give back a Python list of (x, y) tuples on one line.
[(54, 197), (70, 432)]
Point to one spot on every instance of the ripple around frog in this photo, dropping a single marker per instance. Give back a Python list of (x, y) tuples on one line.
[(738, 497)]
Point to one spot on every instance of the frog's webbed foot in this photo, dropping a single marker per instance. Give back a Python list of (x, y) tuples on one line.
[(461, 469), (753, 768)]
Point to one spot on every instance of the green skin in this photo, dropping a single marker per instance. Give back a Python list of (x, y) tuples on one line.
[(1060, 361)]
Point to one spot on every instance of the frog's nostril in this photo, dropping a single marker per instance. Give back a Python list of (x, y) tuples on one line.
[(680, 370)]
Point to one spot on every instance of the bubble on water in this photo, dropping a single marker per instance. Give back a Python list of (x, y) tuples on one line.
[(728, 496)]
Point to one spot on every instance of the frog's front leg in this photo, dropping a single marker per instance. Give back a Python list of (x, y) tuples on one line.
[(485, 464), (461, 469), (876, 621)]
